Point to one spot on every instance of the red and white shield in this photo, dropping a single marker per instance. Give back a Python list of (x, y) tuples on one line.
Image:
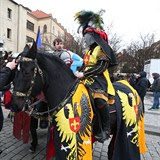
[(74, 124), (86, 59)]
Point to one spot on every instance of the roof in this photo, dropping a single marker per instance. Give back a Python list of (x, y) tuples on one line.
[(40, 14)]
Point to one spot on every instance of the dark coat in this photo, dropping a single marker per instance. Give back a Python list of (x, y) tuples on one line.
[(6, 76), (156, 83), (142, 85)]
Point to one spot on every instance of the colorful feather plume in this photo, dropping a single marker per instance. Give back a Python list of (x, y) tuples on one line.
[(90, 19)]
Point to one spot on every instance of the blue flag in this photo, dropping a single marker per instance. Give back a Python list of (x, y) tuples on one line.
[(38, 40)]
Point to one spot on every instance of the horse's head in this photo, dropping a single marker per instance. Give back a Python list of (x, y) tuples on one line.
[(26, 78)]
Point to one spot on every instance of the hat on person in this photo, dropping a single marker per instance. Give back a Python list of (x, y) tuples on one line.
[(93, 32)]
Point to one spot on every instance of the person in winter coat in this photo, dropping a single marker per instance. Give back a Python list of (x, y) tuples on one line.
[(141, 85), (6, 76), (156, 91)]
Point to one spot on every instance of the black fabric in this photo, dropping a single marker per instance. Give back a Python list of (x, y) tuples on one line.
[(123, 148), (96, 69), (99, 82), (33, 127), (6, 76), (106, 48), (103, 110)]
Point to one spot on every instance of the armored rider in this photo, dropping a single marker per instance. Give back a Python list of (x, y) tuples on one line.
[(97, 59)]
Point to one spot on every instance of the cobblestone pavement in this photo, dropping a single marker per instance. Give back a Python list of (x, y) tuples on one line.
[(16, 150)]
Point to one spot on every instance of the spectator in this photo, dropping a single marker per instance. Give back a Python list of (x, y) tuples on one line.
[(156, 91), (71, 59), (141, 85), (5, 79)]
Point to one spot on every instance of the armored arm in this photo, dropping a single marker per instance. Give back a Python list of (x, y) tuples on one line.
[(98, 68)]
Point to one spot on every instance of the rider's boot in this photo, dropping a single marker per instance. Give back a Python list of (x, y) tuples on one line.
[(104, 133)]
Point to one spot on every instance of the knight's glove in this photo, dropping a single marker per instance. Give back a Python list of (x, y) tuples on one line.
[(79, 74)]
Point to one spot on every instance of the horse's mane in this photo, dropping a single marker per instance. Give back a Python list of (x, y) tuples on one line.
[(51, 62)]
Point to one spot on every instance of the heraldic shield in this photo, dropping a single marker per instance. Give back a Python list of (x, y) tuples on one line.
[(73, 133)]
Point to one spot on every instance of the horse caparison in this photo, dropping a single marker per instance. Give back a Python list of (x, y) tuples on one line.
[(70, 106)]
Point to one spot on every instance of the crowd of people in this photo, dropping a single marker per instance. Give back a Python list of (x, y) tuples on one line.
[(142, 85)]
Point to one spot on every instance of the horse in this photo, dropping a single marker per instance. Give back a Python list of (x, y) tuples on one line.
[(70, 107)]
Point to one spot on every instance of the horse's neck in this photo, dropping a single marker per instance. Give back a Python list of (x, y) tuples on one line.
[(59, 82), (57, 92)]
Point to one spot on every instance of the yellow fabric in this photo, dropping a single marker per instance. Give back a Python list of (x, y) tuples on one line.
[(141, 130), (111, 101), (92, 59), (87, 141), (142, 138), (127, 84), (100, 95), (69, 127), (110, 89)]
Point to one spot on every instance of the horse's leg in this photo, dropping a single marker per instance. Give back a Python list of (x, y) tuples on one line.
[(33, 130), (113, 123)]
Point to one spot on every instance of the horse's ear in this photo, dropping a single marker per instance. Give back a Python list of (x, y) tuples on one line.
[(33, 51), (26, 48)]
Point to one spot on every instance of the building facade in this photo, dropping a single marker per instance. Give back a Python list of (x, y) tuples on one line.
[(19, 25)]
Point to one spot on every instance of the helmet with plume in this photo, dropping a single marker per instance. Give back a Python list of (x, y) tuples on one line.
[(93, 32), (89, 19)]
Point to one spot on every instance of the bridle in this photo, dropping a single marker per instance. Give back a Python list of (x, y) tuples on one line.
[(27, 95)]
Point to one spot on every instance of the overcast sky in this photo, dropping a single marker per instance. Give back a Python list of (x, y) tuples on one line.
[(130, 18)]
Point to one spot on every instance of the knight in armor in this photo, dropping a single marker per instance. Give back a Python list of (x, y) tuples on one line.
[(97, 59)]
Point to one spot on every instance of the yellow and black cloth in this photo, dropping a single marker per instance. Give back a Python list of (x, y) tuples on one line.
[(130, 138), (96, 73)]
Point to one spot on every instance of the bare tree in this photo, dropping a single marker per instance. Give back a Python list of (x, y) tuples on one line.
[(139, 52), (114, 39)]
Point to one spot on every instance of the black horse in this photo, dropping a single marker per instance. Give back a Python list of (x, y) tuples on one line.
[(70, 107)]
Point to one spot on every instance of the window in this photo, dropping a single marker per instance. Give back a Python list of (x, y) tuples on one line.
[(53, 29), (45, 28), (30, 26), (59, 34), (8, 33), (29, 39), (9, 11), (62, 37)]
